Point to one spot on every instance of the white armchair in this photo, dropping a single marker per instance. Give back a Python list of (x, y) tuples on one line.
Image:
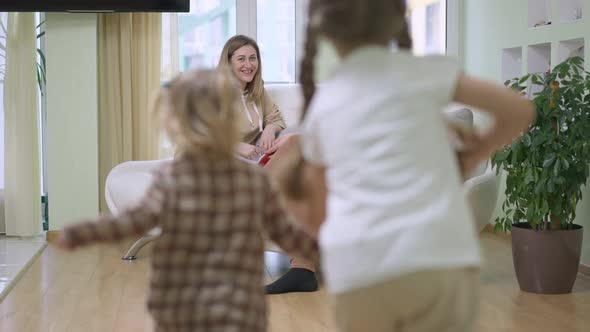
[(482, 187), (125, 185), (127, 182), (482, 195)]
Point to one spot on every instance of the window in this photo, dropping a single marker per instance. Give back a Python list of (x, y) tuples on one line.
[(203, 32), (275, 26), (428, 26), (278, 26)]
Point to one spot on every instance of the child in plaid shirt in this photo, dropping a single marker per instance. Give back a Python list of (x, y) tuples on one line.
[(207, 265)]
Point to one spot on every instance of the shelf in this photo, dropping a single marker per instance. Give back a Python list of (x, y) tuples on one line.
[(570, 10), (539, 58), (570, 48), (511, 63), (539, 13)]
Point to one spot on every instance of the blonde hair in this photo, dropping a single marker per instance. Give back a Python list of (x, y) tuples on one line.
[(350, 23), (255, 89), (197, 111)]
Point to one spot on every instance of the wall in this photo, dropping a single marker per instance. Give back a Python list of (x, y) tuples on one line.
[(488, 27), (72, 113)]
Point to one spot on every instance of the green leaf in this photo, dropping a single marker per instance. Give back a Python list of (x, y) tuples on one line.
[(39, 77), (529, 213), (548, 161), (529, 177), (524, 78), (514, 155), (497, 227), (540, 187), (539, 139), (43, 63), (556, 168), (501, 155), (526, 140), (550, 186), (565, 164), (544, 207)]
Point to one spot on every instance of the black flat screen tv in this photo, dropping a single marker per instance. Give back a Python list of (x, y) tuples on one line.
[(94, 5)]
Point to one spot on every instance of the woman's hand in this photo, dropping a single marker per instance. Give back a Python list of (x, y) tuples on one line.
[(279, 142), (268, 138), (249, 151)]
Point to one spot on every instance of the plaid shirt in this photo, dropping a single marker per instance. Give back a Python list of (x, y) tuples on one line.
[(208, 263)]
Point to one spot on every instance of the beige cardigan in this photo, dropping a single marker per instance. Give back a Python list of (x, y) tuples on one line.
[(270, 115)]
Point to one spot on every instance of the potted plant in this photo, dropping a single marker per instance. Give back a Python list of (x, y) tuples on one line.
[(546, 169)]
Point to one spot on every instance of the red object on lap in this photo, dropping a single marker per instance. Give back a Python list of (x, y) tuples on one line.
[(265, 158)]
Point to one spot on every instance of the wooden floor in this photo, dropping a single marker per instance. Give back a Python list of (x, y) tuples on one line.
[(93, 290)]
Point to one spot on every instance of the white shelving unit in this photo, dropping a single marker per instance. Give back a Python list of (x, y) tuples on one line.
[(539, 58), (511, 63), (570, 48), (570, 10), (538, 62), (539, 13)]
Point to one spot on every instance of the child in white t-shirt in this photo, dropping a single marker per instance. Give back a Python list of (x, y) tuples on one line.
[(399, 248)]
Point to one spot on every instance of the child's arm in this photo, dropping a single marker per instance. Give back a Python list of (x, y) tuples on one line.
[(135, 221), (284, 231), (512, 114)]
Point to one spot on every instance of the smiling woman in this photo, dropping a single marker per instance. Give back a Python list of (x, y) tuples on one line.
[(261, 120), (262, 124)]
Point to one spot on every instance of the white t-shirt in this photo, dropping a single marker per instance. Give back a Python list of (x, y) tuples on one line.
[(395, 202)]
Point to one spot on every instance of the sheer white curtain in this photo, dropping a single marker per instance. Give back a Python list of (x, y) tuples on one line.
[(3, 21), (170, 65), (21, 144), (170, 57)]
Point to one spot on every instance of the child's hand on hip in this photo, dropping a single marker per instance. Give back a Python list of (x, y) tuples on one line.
[(469, 145)]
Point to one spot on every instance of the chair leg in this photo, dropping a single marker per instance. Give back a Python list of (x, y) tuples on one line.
[(136, 247)]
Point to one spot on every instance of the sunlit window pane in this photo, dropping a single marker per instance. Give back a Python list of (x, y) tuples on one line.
[(276, 37), (428, 26), (203, 32)]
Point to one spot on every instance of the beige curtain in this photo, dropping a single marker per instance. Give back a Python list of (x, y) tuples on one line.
[(22, 170), (129, 53)]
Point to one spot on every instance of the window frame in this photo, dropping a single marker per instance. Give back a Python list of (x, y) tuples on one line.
[(247, 25), (454, 24)]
